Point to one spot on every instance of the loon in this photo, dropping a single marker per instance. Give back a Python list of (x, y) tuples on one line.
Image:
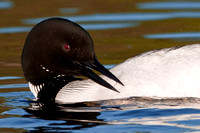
[(58, 50)]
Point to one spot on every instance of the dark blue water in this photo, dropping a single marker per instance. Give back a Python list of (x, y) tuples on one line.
[(152, 23)]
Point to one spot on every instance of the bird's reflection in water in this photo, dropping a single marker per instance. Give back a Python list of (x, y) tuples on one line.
[(74, 116)]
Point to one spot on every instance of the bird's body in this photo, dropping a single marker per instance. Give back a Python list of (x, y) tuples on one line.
[(57, 49), (171, 72)]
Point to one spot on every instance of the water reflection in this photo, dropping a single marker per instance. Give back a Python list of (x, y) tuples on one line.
[(15, 29), (10, 77), (19, 94), (170, 5), (73, 117), (109, 66), (107, 26), (101, 26), (91, 116), (123, 17), (180, 35), (69, 10), (6, 4), (28, 123), (14, 86)]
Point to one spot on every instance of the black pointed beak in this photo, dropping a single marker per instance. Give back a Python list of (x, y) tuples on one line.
[(86, 71)]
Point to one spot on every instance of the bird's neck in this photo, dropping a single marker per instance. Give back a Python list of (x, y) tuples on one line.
[(46, 90)]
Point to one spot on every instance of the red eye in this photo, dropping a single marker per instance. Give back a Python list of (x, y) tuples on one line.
[(67, 47)]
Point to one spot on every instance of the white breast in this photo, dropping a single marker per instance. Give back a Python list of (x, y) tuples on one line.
[(172, 72)]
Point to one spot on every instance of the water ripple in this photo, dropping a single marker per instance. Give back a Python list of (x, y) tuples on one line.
[(9, 77), (69, 10), (108, 26), (170, 5), (28, 123), (15, 29), (14, 86), (6, 4), (109, 66), (122, 17), (101, 26), (173, 35)]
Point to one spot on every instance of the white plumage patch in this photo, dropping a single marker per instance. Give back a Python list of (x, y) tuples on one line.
[(35, 89)]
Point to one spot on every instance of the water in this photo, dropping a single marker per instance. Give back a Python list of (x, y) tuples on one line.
[(6, 4), (120, 30), (85, 26), (170, 5), (124, 17)]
